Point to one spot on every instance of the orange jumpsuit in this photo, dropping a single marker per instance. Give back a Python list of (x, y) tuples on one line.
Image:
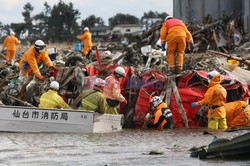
[(87, 39), (33, 59), (215, 99), (10, 43), (175, 33), (163, 117), (238, 114)]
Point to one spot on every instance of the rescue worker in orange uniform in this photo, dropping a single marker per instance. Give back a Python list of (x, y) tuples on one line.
[(175, 33), (51, 99), (238, 114), (10, 43), (112, 90), (162, 116), (215, 98), (87, 40), (32, 58)]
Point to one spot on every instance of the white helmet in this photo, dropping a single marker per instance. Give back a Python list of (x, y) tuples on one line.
[(211, 74), (86, 29), (12, 33), (40, 45), (156, 100), (120, 70), (168, 17), (99, 82), (54, 85)]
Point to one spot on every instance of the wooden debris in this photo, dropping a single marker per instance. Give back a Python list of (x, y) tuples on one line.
[(247, 62), (179, 102)]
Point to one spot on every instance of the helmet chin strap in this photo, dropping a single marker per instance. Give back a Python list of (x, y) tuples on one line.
[(38, 50)]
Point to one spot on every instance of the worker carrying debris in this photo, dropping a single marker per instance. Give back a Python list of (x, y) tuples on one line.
[(94, 99), (87, 40), (162, 116), (10, 43), (112, 90), (175, 33), (215, 98), (51, 99), (32, 57)]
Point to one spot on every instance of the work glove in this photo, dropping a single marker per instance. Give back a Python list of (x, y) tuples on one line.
[(191, 47), (163, 47), (52, 67), (125, 101), (25, 65), (194, 104), (148, 116), (41, 77)]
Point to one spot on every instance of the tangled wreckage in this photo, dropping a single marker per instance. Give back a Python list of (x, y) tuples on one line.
[(146, 73)]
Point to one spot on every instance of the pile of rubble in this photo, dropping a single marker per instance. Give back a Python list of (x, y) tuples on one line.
[(224, 36)]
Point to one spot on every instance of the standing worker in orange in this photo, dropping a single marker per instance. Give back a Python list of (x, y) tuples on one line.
[(175, 33), (87, 39), (10, 43), (32, 57), (215, 98)]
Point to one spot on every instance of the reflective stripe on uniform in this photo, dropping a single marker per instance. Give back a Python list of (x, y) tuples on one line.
[(171, 66), (36, 71), (89, 104), (167, 113), (49, 101)]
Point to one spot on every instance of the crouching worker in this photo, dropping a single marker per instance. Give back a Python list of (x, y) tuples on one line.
[(29, 64), (94, 99), (238, 114), (215, 98), (161, 117), (51, 99)]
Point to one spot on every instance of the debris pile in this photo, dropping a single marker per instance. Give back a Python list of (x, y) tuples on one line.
[(143, 59)]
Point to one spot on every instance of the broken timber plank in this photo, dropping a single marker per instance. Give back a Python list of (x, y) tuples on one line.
[(206, 27), (179, 102), (21, 101), (168, 90), (247, 62)]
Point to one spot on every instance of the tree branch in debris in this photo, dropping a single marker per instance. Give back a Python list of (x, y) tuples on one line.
[(206, 27), (247, 62)]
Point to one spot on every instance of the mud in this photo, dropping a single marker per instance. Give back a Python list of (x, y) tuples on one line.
[(127, 147)]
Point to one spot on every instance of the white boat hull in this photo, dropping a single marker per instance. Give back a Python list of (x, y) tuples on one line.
[(27, 119)]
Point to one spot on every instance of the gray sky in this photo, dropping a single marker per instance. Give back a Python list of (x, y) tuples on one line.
[(11, 10)]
